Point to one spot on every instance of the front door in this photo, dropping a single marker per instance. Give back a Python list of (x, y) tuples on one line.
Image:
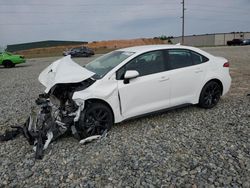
[(150, 91)]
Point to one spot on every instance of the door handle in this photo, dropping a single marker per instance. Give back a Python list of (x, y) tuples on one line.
[(198, 71), (162, 79)]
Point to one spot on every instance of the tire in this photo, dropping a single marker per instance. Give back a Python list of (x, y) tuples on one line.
[(210, 95), (8, 64), (94, 120)]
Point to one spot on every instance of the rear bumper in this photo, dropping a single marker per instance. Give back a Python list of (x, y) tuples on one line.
[(226, 84)]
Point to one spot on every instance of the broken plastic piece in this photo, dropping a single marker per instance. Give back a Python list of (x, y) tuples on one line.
[(9, 135), (49, 139), (90, 139)]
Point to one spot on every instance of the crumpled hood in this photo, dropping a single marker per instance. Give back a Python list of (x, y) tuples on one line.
[(64, 70)]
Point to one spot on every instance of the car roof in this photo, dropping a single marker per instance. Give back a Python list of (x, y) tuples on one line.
[(146, 48)]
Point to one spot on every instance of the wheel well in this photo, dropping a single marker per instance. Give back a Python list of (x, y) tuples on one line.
[(6, 61), (102, 102), (218, 82)]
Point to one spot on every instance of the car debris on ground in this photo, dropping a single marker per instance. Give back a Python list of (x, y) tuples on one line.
[(57, 113)]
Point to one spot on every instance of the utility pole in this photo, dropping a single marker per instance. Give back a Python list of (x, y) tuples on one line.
[(183, 21)]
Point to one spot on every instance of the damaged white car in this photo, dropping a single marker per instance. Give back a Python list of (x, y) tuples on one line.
[(126, 83)]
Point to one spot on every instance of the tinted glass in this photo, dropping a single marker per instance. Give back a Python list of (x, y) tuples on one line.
[(145, 64), (179, 58), (198, 58)]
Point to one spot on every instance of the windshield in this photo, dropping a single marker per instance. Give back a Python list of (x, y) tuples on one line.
[(102, 65)]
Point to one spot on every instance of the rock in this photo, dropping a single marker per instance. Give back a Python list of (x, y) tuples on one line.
[(108, 186), (229, 180), (27, 173), (246, 184), (183, 173), (71, 176), (211, 179), (189, 146), (138, 182)]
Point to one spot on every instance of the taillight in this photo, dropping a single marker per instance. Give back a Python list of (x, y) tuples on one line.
[(226, 64)]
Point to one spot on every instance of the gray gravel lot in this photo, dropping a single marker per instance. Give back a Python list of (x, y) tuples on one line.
[(188, 147)]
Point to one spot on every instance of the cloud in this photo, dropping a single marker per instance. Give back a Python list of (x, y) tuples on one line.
[(33, 20)]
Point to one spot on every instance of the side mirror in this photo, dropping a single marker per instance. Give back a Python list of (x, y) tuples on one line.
[(130, 74)]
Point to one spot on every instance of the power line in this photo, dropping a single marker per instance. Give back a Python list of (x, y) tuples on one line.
[(67, 23), (90, 4), (224, 20), (217, 11), (214, 6), (124, 11), (111, 20), (80, 12)]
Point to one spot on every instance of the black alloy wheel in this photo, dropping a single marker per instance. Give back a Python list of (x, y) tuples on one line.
[(210, 95), (8, 64), (95, 119)]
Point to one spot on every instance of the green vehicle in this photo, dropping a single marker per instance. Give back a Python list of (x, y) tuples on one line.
[(9, 60)]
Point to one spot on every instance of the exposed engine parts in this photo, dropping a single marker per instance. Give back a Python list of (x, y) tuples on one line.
[(58, 115)]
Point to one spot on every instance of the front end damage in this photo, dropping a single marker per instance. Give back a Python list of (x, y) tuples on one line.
[(57, 113)]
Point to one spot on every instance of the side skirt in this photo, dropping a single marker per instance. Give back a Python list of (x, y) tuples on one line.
[(159, 111)]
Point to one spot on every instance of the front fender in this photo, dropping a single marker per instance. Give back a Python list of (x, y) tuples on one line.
[(106, 92)]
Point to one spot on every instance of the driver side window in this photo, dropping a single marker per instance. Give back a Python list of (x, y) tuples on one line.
[(145, 64)]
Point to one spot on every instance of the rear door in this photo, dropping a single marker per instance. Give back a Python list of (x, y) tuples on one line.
[(188, 70), (148, 92)]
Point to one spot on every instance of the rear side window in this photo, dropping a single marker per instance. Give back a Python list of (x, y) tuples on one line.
[(179, 58), (198, 58)]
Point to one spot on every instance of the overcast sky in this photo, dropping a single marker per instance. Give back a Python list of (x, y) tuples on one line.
[(89, 20)]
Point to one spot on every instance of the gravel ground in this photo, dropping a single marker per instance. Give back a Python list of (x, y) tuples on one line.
[(188, 147)]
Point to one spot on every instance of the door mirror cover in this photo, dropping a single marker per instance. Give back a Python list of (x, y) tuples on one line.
[(131, 74)]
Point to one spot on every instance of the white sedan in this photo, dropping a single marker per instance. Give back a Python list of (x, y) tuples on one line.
[(135, 81)]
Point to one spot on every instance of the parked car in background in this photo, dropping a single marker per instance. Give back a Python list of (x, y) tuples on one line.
[(9, 60), (235, 42), (135, 81), (82, 51), (246, 42)]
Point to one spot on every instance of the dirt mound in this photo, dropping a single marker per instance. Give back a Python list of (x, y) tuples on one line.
[(97, 46), (113, 44)]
